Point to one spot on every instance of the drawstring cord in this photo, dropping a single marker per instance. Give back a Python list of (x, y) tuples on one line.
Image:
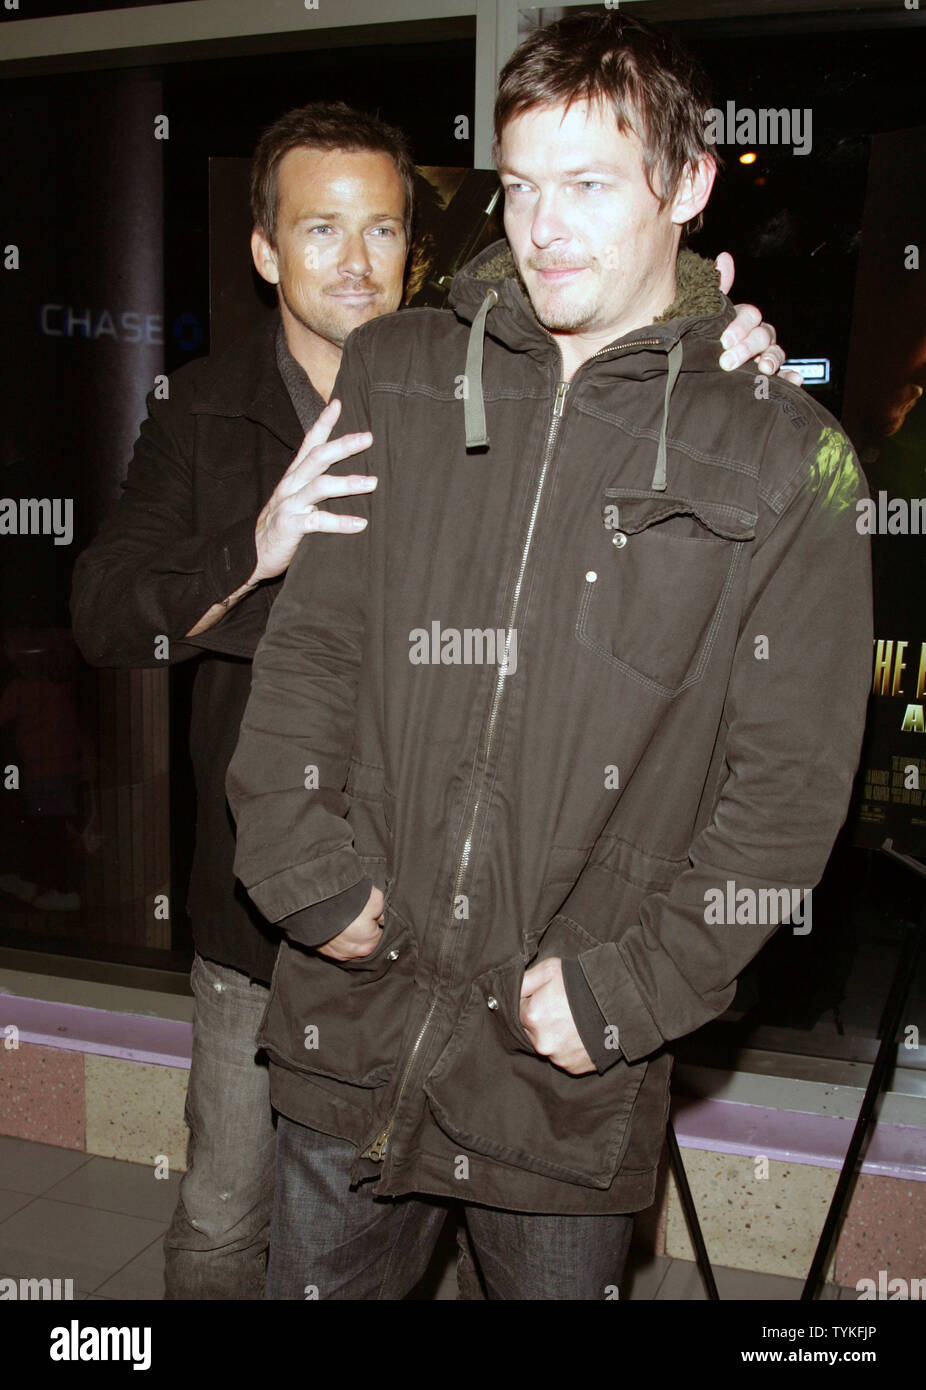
[(474, 411), (675, 365)]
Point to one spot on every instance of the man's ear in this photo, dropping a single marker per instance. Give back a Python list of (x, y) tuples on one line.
[(694, 189), (264, 257)]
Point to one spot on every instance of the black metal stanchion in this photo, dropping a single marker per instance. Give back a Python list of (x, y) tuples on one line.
[(691, 1216), (893, 1013)]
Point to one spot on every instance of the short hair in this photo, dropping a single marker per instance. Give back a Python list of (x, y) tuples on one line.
[(323, 125), (656, 89)]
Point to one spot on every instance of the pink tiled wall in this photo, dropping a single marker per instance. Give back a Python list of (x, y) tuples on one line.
[(43, 1098), (42, 1095), (884, 1230)]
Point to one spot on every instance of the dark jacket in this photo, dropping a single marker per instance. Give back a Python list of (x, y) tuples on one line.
[(682, 709), (180, 538)]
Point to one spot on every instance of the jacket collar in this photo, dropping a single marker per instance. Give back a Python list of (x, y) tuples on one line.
[(489, 294), (244, 382), (699, 310)]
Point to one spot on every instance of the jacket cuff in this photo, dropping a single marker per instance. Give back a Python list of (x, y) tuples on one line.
[(590, 1022), (619, 1000), (232, 559), (313, 926)]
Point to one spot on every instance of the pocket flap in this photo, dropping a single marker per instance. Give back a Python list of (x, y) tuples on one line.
[(636, 511), (494, 1095)]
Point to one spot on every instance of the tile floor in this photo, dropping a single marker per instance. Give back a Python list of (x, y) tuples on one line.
[(101, 1222)]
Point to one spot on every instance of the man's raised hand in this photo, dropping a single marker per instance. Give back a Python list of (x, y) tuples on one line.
[(749, 338), (292, 510)]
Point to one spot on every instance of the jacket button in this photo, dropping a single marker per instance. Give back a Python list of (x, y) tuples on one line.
[(619, 539), (492, 1002), (591, 576), (392, 955)]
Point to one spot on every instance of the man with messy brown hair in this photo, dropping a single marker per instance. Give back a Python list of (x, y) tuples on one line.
[(561, 693)]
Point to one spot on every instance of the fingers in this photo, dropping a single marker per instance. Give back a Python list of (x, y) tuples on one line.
[(789, 374), (317, 437), (748, 317), (724, 264), (323, 426), (336, 485), (289, 517), (737, 336), (353, 943), (771, 360), (747, 340), (533, 979), (333, 524), (314, 518), (318, 433), (322, 455), (359, 949)]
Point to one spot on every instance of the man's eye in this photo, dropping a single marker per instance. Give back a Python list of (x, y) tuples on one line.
[(323, 227), (515, 187), (387, 231), (591, 183)]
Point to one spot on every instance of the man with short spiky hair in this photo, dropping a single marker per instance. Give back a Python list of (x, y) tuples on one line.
[(214, 506), (671, 551)]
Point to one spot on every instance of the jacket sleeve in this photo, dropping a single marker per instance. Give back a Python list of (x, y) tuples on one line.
[(793, 724), (147, 574), (286, 780), (591, 1024)]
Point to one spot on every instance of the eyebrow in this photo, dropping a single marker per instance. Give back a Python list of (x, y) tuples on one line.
[(338, 216), (569, 173)]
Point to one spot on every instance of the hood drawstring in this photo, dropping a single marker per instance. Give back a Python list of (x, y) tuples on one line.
[(676, 352), (474, 411)]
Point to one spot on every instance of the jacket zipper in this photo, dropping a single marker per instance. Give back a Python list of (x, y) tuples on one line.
[(377, 1150), (638, 342)]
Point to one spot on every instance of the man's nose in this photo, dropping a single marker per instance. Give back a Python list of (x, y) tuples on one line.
[(356, 260), (547, 224)]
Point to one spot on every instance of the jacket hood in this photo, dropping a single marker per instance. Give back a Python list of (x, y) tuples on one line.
[(685, 337)]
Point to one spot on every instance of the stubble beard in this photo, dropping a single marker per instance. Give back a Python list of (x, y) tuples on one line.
[(565, 318), (327, 321)]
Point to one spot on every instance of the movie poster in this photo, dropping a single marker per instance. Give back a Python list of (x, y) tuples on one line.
[(886, 419)]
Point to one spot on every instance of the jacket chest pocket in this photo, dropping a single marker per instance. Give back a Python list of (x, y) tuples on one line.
[(659, 574), (238, 465)]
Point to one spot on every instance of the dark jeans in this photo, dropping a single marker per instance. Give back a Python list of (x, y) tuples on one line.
[(216, 1247), (330, 1241)]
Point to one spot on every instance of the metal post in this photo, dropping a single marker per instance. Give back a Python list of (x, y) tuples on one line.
[(691, 1216), (897, 998)]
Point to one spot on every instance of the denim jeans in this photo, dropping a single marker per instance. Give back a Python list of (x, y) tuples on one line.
[(330, 1241), (216, 1246)]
